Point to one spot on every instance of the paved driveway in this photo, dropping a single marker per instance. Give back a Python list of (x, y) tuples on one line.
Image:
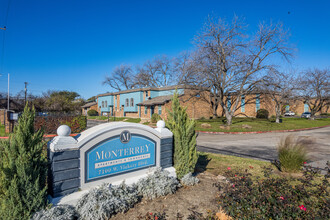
[(263, 146)]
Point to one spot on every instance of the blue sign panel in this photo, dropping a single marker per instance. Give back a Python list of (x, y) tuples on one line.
[(124, 153)]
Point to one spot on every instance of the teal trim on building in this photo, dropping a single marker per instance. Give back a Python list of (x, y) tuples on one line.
[(229, 102), (165, 92), (159, 109), (105, 102), (257, 102), (130, 101), (306, 108), (243, 103)]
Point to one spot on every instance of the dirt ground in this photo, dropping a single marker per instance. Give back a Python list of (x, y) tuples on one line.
[(200, 198)]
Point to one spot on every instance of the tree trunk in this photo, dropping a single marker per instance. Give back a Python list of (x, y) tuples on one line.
[(278, 113), (229, 118), (215, 108)]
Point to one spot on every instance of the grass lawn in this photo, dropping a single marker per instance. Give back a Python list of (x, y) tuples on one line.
[(2, 131), (105, 118), (218, 164), (261, 124)]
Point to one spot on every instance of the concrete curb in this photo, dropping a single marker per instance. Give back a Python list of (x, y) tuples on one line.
[(260, 132)]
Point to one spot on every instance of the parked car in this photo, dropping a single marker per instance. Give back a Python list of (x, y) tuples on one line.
[(289, 113), (306, 115)]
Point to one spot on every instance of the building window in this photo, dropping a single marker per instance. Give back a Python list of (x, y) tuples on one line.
[(126, 102), (106, 104), (243, 104), (159, 109), (145, 110), (102, 104), (146, 95), (306, 108), (132, 102), (257, 102), (229, 102)]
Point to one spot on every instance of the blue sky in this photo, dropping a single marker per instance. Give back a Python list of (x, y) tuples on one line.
[(73, 44)]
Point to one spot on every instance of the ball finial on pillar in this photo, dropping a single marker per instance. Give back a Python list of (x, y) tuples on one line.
[(161, 124), (63, 130)]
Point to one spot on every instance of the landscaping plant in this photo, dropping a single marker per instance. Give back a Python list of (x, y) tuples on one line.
[(60, 212), (157, 184), (306, 197), (104, 202), (291, 154), (92, 112), (23, 170), (155, 117), (262, 113), (189, 180), (183, 128)]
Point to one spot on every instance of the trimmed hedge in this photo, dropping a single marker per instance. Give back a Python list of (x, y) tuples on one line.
[(92, 112), (50, 123), (262, 113)]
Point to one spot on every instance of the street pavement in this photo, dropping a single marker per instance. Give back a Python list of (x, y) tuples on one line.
[(263, 146), (92, 123)]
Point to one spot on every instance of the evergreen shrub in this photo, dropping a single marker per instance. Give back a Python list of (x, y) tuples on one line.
[(189, 180), (23, 170), (262, 113), (92, 112), (60, 212), (183, 128), (157, 184), (155, 117), (291, 154)]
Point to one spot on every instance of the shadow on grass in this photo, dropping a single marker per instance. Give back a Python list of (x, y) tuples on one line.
[(202, 163)]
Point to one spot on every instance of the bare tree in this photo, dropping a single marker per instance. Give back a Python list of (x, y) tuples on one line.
[(120, 78), (315, 89), (278, 87), (155, 73), (229, 62)]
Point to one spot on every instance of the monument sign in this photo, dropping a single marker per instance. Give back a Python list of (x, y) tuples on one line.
[(107, 153)]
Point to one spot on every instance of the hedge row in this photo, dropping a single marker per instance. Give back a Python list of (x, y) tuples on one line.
[(50, 123)]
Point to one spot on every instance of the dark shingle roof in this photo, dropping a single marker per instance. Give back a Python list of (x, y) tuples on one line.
[(157, 100), (89, 104)]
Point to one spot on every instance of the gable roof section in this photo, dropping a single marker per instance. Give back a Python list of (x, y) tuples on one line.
[(159, 100), (89, 104)]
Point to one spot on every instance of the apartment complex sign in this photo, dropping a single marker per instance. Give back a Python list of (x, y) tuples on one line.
[(123, 153), (107, 153)]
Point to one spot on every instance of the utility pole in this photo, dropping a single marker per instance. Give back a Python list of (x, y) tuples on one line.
[(8, 94), (25, 89)]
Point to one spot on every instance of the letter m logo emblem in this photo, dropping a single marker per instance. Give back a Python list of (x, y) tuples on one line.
[(125, 137)]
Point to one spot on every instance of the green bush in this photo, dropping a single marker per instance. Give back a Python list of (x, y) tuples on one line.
[(262, 113), (92, 112), (245, 197), (291, 154), (77, 124), (23, 170), (183, 128), (155, 117)]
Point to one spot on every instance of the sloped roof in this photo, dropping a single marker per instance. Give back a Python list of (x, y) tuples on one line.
[(89, 104), (157, 100)]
